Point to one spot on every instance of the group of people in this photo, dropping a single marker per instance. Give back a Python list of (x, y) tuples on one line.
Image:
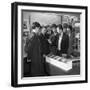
[(43, 40)]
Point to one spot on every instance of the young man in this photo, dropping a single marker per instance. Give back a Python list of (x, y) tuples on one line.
[(71, 37), (45, 48), (44, 42), (62, 41), (53, 38), (48, 31), (34, 52)]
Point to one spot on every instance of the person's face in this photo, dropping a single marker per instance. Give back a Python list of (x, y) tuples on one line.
[(68, 30), (59, 30), (49, 31), (43, 30), (48, 28), (37, 30), (54, 29), (64, 30), (39, 33)]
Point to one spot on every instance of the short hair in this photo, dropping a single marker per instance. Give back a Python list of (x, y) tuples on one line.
[(48, 26), (60, 26), (53, 26), (65, 25), (70, 27), (43, 27), (35, 24)]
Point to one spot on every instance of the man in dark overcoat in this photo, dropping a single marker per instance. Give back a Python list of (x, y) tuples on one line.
[(34, 52)]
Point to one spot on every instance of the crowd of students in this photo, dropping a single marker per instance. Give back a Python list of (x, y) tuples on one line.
[(44, 40)]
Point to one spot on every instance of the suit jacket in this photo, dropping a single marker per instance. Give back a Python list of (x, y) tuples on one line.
[(64, 43), (53, 39), (34, 53), (70, 49), (53, 46)]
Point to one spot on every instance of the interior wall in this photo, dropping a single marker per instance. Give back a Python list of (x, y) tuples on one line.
[(42, 18), (45, 18)]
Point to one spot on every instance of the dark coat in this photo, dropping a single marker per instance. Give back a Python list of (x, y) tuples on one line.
[(44, 45), (53, 39), (64, 43), (34, 54), (70, 49), (53, 45)]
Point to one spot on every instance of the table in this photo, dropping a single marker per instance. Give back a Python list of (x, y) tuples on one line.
[(62, 66)]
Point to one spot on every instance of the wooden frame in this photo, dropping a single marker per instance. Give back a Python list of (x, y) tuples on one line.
[(14, 42)]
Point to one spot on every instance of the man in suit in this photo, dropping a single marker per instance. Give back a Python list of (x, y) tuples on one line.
[(71, 37), (45, 48), (34, 52), (44, 42), (53, 38), (62, 41), (48, 31)]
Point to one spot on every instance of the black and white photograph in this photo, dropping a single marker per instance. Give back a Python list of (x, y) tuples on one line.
[(50, 44)]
